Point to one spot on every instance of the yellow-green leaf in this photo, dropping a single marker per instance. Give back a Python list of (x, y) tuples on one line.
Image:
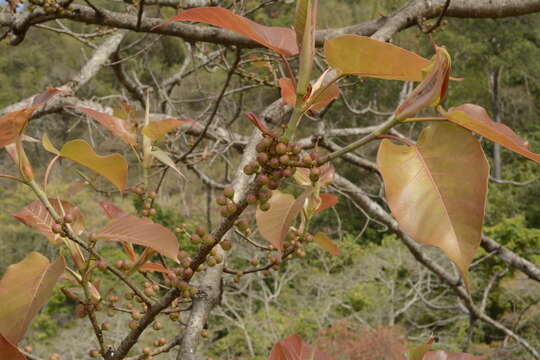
[(157, 129), (437, 190), (114, 167), (361, 55), (326, 243), (48, 145)]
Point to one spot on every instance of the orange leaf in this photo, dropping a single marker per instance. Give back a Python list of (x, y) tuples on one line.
[(44, 96), (327, 201), (157, 129), (288, 93), (24, 288), (141, 231), (326, 243), (431, 90), (293, 348), (37, 217), (279, 39), (328, 172), (8, 351), (113, 167), (275, 223), (153, 267), (12, 125), (120, 128), (437, 190), (476, 118), (360, 55), (321, 94)]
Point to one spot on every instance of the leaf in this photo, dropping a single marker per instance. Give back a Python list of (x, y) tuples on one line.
[(12, 125), (275, 223), (360, 55), (8, 351), (326, 243), (113, 167), (431, 90), (24, 288), (120, 128), (417, 352), (141, 231), (443, 355), (153, 267), (437, 189), (288, 93), (476, 118), (165, 158), (112, 211), (48, 145), (323, 94), (327, 201), (157, 129), (37, 217), (279, 39), (127, 112), (44, 96), (293, 348)]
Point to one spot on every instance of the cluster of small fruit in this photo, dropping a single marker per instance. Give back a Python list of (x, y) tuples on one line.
[(49, 6)]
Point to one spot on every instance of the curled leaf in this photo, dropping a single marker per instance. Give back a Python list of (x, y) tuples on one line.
[(166, 159)]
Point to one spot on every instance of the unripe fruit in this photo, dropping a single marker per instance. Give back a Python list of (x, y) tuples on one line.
[(136, 315), (68, 218), (188, 273), (200, 230), (228, 192), (144, 212), (264, 206), (152, 212), (221, 200), (28, 349), (204, 333), (54, 356), (226, 244), (149, 292), (93, 353), (146, 350), (307, 160), (105, 326), (195, 239), (162, 341), (274, 163), (208, 239), (265, 195), (295, 149), (219, 258), (102, 265), (231, 208), (211, 261), (133, 324), (315, 174), (284, 159), (251, 199), (157, 325), (262, 179), (288, 172), (242, 224), (262, 158), (254, 262), (281, 148), (273, 185), (57, 229)]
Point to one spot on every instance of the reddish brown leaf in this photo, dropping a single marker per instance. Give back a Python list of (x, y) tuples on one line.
[(279, 39), (12, 125), (157, 129), (431, 90), (326, 243), (141, 231), (288, 93), (112, 211), (120, 128), (275, 223), (293, 348), (24, 288), (37, 217), (437, 190), (476, 118), (327, 201), (153, 267), (45, 96), (257, 122), (8, 351)]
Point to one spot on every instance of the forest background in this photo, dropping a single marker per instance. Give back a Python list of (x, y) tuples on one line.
[(374, 283)]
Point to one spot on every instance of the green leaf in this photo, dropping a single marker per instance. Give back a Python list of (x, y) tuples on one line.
[(279, 39), (8, 351), (275, 223), (166, 159), (363, 56), (326, 243), (476, 118), (113, 167), (437, 190), (141, 231), (24, 288), (305, 24)]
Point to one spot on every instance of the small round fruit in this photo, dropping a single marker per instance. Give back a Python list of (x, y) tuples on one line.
[(228, 192), (264, 206), (226, 244)]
